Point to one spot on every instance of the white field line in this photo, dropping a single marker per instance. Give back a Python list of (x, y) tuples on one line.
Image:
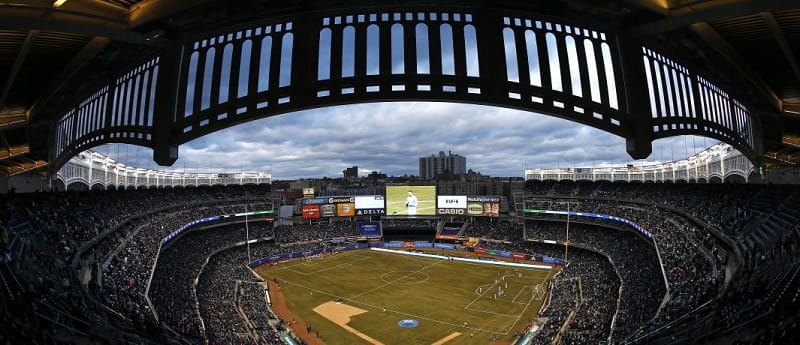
[(520, 292), (491, 288), (398, 279), (339, 266), (392, 310), (295, 262), (491, 312), (426, 259), (520, 314)]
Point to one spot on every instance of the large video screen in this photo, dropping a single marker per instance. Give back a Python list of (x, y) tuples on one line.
[(410, 200)]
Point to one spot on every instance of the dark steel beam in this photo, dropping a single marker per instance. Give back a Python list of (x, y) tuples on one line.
[(21, 56), (95, 10), (24, 167), (12, 21), (777, 33), (95, 45), (640, 143), (715, 10), (721, 45), (165, 149), (13, 151), (150, 10), (8, 121)]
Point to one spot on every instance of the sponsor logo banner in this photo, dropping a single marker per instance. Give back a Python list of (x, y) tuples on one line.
[(532, 258), (314, 201), (371, 212), (446, 237), (492, 252), (408, 323), (310, 211), (495, 199), (504, 254), (518, 256), (491, 209), (452, 201), (480, 251), (408, 245), (444, 246), (475, 209), (346, 209), (327, 200), (369, 228), (327, 210), (451, 211), (369, 202), (340, 199), (423, 244)]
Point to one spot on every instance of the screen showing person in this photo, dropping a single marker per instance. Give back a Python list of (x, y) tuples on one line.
[(411, 200)]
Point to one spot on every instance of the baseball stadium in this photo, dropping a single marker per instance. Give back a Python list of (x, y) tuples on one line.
[(441, 172)]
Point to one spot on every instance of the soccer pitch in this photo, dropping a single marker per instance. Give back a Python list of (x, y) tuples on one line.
[(453, 301), (396, 200)]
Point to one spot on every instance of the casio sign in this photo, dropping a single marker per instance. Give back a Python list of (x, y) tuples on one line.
[(451, 211)]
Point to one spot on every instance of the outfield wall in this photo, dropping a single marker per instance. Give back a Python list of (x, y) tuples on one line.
[(455, 258), (421, 245)]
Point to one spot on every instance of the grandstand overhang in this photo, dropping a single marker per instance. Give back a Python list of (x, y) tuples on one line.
[(160, 73)]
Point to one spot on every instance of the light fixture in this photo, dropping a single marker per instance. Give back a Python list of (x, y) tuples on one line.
[(59, 3)]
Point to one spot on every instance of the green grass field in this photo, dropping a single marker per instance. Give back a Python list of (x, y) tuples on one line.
[(396, 200), (442, 295)]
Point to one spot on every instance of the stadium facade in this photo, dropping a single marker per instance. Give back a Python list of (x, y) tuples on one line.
[(718, 163), (94, 170)]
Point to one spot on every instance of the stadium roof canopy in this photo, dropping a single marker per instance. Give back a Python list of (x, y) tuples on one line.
[(54, 53)]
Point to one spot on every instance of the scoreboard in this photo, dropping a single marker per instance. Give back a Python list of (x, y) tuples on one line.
[(401, 201)]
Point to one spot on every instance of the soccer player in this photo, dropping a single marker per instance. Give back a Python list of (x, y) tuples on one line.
[(411, 203)]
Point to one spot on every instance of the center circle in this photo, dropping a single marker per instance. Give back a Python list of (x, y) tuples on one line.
[(404, 277)]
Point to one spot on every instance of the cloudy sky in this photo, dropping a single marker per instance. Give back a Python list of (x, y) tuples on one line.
[(390, 137)]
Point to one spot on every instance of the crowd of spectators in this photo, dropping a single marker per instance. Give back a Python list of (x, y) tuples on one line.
[(315, 231), (691, 259), (683, 218), (634, 258), (112, 238), (49, 229), (497, 230), (597, 294), (231, 317), (409, 224), (126, 275)]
